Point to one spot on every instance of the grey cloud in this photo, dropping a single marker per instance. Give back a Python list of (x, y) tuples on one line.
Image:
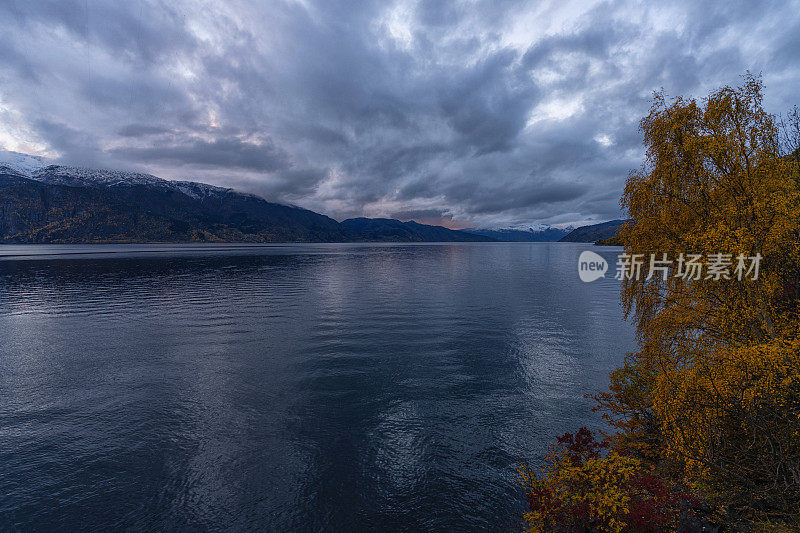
[(287, 185), (595, 42), (486, 200), (141, 130), (77, 147), (488, 105), (14, 61), (140, 32), (220, 153)]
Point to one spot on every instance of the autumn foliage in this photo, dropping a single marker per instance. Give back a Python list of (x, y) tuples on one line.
[(581, 490), (711, 402)]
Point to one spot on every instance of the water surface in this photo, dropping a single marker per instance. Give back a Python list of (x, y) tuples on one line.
[(291, 387)]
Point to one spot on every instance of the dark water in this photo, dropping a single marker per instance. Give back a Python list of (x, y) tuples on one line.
[(294, 387)]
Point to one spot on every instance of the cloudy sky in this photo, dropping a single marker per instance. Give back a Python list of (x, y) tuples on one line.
[(488, 113)]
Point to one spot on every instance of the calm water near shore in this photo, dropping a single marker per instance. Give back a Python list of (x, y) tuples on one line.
[(309, 387)]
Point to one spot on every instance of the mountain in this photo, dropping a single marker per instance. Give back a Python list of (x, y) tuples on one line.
[(387, 229), (60, 204), (595, 232), (32, 211), (546, 234), (24, 163), (41, 211), (194, 211)]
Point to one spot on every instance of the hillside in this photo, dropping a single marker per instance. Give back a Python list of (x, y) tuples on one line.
[(36, 212)]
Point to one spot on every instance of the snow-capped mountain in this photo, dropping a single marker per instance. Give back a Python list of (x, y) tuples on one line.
[(198, 191), (23, 163), (8, 171), (37, 168), (87, 177)]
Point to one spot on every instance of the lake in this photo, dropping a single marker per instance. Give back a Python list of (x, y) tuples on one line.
[(307, 387)]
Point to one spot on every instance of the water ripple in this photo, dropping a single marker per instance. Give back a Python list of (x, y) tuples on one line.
[(291, 387)]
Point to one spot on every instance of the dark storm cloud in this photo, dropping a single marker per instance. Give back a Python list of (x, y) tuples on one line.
[(77, 147), (141, 130), (492, 112), (521, 197), (221, 153), (139, 32), (487, 107), (16, 62)]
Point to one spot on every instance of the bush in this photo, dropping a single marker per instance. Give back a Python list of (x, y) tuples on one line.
[(579, 489)]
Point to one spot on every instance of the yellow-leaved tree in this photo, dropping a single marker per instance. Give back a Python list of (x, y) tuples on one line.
[(710, 404), (722, 356)]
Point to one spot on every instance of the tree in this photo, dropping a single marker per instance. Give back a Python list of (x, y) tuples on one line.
[(723, 355), (711, 401)]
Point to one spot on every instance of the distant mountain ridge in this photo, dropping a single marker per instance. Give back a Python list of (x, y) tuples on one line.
[(545, 234), (388, 229), (595, 232), (45, 203), (60, 204)]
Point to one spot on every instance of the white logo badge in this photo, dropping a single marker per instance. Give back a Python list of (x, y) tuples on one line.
[(591, 266)]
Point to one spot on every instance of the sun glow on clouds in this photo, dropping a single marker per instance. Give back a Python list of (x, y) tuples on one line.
[(556, 109), (15, 134), (543, 18), (398, 21), (603, 140)]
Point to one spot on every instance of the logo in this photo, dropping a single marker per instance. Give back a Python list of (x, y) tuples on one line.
[(591, 266)]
